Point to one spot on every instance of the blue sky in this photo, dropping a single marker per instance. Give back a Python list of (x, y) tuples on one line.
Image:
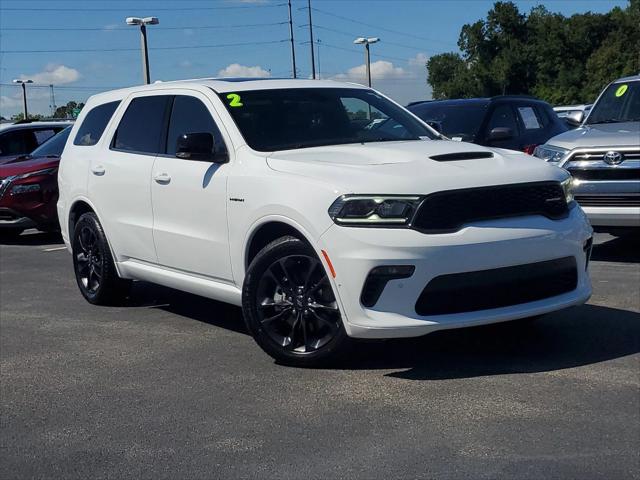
[(228, 37)]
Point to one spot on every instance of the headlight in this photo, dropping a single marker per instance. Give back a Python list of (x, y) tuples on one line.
[(26, 188), (549, 153), (567, 187), (372, 210)]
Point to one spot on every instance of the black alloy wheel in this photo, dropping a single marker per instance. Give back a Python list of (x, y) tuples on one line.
[(290, 307)]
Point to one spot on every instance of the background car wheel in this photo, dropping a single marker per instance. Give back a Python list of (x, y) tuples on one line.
[(289, 305), (93, 264)]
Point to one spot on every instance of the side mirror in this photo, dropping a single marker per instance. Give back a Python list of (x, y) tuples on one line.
[(501, 133), (575, 119), (199, 146)]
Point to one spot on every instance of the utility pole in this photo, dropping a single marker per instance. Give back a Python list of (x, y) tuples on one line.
[(293, 48), (313, 58), (52, 100), (318, 42), (23, 83), (143, 22)]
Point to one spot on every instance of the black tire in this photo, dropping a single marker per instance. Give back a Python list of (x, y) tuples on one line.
[(93, 265), (11, 234), (289, 306)]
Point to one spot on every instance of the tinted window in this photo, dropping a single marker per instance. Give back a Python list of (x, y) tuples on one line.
[(44, 134), (503, 116), (94, 124), (190, 115), (17, 142), (141, 127), (53, 146), (459, 121), (283, 119)]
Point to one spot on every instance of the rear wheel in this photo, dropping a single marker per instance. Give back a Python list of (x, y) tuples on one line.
[(289, 305), (95, 271)]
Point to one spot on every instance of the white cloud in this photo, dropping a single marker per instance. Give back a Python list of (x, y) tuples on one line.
[(237, 70), (380, 70), (420, 60), (54, 74)]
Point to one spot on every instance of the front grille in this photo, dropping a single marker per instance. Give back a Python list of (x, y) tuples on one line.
[(449, 210), (605, 174), (499, 287), (608, 200), (7, 215)]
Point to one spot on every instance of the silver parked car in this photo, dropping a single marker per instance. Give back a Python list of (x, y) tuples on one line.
[(603, 156)]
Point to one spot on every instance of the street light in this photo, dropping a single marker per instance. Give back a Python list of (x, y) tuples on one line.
[(143, 22), (24, 94), (366, 42)]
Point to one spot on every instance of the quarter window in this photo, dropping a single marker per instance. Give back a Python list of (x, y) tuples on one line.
[(17, 142), (142, 126), (94, 124), (190, 115)]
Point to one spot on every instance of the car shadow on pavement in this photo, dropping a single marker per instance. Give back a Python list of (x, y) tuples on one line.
[(570, 338), (34, 238), (618, 249)]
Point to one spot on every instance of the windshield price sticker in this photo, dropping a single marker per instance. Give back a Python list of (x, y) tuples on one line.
[(234, 100), (621, 90)]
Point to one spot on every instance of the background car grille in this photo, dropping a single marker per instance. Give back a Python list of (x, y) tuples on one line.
[(500, 287), (605, 173), (608, 200), (450, 210)]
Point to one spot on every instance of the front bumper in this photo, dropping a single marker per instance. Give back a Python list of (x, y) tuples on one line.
[(613, 216), (12, 220), (354, 252)]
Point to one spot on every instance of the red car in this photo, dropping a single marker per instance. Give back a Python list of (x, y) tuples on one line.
[(29, 188)]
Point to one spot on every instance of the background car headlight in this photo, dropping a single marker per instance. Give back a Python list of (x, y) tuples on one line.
[(567, 187), (26, 188), (549, 153), (371, 210)]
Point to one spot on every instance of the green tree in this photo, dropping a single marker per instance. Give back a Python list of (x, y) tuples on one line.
[(66, 111)]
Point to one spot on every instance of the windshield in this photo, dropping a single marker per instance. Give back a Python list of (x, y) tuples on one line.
[(620, 102), (53, 146), (459, 121), (285, 119)]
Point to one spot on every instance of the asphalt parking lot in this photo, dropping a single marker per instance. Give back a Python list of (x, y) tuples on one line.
[(171, 386)]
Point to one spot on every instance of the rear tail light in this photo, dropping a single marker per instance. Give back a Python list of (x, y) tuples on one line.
[(529, 149)]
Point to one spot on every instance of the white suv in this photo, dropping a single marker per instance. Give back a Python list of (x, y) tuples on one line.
[(324, 209)]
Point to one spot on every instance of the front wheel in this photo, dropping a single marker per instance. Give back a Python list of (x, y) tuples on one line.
[(289, 305)]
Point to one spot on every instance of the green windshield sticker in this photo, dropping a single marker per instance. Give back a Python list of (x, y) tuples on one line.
[(621, 90), (234, 100)]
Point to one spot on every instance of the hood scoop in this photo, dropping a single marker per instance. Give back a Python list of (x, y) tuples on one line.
[(452, 157)]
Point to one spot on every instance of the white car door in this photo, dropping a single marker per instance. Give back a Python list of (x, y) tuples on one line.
[(189, 195), (120, 177)]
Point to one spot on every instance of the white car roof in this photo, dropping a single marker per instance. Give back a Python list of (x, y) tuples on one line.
[(226, 85), (18, 126)]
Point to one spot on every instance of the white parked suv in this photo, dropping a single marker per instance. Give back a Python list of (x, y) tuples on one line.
[(292, 199)]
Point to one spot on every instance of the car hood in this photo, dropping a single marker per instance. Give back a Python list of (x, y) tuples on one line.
[(21, 165), (406, 167), (601, 135)]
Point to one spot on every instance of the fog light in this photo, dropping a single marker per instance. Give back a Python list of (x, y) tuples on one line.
[(377, 280)]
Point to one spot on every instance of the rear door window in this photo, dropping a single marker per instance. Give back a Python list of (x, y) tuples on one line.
[(17, 142), (44, 134), (94, 124), (503, 117), (531, 119), (142, 126)]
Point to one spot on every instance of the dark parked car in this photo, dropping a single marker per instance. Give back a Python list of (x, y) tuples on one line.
[(29, 188), (513, 122)]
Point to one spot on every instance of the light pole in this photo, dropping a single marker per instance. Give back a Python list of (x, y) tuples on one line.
[(143, 22), (24, 95), (367, 56)]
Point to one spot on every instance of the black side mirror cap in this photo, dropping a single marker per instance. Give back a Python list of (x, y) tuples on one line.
[(501, 133), (199, 146)]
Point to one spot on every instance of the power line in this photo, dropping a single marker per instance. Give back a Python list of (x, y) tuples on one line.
[(383, 29), (129, 9), (109, 29), (358, 52), (181, 47)]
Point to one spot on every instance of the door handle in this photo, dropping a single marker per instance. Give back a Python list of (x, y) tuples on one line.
[(98, 170), (162, 178)]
